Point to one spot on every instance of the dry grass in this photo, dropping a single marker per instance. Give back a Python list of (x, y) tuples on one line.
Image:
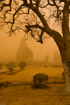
[(24, 94), (27, 74)]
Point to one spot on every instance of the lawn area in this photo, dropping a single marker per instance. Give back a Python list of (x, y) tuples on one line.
[(21, 92), (27, 74)]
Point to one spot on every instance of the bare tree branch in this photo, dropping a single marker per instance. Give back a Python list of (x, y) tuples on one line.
[(24, 8)]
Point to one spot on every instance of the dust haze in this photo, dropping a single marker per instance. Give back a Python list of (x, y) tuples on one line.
[(9, 47)]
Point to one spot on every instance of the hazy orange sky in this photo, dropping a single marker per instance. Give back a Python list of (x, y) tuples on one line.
[(9, 47)]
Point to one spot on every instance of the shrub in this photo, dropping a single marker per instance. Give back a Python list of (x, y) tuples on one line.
[(11, 66), (0, 66), (22, 65), (40, 79), (63, 75), (45, 66)]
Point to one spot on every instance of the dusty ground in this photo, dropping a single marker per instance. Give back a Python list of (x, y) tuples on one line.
[(21, 92)]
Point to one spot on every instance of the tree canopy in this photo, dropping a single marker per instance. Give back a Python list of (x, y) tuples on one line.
[(35, 16)]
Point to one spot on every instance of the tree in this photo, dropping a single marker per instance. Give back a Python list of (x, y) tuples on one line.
[(22, 65), (11, 65), (17, 13)]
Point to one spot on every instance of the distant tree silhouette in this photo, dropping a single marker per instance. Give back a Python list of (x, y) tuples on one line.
[(11, 65), (22, 65)]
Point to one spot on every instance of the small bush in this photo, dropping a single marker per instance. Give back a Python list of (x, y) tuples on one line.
[(0, 66), (11, 66), (63, 75), (39, 80), (45, 66), (22, 65)]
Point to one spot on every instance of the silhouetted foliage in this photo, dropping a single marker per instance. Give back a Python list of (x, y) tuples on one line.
[(22, 65), (40, 79), (45, 66), (11, 66)]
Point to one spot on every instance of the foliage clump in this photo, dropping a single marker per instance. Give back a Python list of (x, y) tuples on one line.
[(11, 66), (40, 80), (22, 65)]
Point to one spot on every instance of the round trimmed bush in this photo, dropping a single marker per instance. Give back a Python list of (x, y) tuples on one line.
[(40, 80)]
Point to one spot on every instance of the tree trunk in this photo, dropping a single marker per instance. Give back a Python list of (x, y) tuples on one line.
[(67, 76), (66, 64)]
